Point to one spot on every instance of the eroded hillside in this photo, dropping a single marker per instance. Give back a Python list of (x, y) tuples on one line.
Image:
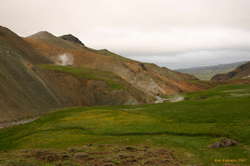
[(149, 78)]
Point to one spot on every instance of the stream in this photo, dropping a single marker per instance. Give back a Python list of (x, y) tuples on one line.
[(15, 123)]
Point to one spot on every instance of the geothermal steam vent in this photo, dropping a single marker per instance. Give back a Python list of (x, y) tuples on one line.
[(65, 59)]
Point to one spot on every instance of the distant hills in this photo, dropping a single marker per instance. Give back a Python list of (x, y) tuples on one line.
[(241, 72), (207, 72), (43, 72)]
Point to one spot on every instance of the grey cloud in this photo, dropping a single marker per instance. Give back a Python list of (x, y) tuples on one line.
[(193, 58), (154, 27)]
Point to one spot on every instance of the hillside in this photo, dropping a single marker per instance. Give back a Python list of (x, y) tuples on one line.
[(168, 134), (87, 87), (207, 72), (23, 93), (30, 84), (149, 78), (241, 72)]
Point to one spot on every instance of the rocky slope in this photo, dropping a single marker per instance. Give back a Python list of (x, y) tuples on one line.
[(149, 78), (241, 72)]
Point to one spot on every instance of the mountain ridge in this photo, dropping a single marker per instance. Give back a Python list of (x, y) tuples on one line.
[(72, 38), (163, 82)]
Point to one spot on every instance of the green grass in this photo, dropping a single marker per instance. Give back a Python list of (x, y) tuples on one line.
[(111, 79), (187, 127), (220, 92)]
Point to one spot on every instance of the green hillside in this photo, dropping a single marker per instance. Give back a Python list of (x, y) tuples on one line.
[(187, 127), (111, 79)]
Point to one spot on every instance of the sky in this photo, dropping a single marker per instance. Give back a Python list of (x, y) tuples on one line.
[(171, 33)]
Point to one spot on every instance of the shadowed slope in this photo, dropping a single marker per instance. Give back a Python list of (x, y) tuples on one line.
[(22, 92)]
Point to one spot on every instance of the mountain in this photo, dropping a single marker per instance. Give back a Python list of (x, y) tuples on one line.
[(30, 84), (241, 72), (149, 78), (207, 72), (43, 72)]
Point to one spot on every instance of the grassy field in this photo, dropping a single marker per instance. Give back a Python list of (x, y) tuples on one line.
[(187, 127)]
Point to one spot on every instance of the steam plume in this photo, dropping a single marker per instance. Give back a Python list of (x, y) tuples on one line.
[(65, 59)]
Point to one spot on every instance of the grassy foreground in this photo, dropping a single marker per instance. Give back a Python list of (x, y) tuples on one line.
[(186, 127)]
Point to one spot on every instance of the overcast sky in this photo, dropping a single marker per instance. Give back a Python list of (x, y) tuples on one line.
[(172, 33)]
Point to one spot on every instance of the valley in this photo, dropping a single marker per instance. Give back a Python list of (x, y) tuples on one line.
[(125, 83), (65, 104), (186, 129)]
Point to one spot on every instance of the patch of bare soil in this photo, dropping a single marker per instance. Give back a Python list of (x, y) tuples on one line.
[(104, 155)]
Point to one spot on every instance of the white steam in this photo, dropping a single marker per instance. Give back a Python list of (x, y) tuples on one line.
[(65, 59)]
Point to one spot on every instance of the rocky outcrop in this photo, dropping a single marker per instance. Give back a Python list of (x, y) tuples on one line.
[(224, 142), (72, 38)]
